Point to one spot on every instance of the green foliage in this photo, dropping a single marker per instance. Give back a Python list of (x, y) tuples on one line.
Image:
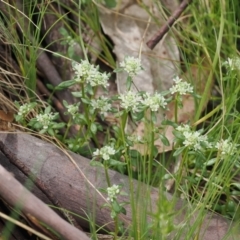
[(209, 162)]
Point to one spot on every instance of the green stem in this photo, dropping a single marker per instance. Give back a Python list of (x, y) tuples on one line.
[(176, 109), (67, 130), (150, 164), (107, 175), (116, 228)]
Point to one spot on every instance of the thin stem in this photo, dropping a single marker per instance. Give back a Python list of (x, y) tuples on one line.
[(176, 109), (116, 228), (69, 124), (150, 165), (107, 175)]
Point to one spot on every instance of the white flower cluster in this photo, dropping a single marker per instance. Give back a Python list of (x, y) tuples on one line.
[(82, 70), (45, 119), (102, 104), (134, 138), (25, 109), (226, 147), (193, 139), (154, 102), (233, 63), (181, 87), (131, 65), (73, 109), (105, 152), (130, 101), (112, 192), (86, 72)]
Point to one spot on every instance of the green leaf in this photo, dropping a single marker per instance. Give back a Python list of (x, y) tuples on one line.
[(51, 132), (58, 125), (63, 32), (134, 154), (47, 110), (164, 140), (153, 117), (82, 119), (118, 70), (128, 82), (50, 86), (123, 211), (237, 185), (137, 116), (43, 131), (93, 128), (113, 214), (85, 100), (178, 151), (116, 207), (71, 51), (65, 103), (178, 135), (77, 94), (169, 123), (235, 193), (65, 84), (94, 163), (155, 151), (113, 162), (210, 162)]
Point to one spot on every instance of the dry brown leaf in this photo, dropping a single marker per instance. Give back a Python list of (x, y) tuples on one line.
[(128, 27), (5, 121)]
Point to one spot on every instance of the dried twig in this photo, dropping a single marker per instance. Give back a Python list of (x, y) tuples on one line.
[(165, 28), (14, 193), (27, 172)]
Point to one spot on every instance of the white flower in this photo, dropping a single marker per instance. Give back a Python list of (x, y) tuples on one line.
[(97, 78), (233, 63), (25, 109), (73, 109), (102, 104), (86, 72), (105, 152), (236, 63), (226, 147), (134, 138), (183, 128), (45, 119), (154, 102), (193, 139), (112, 192), (130, 101), (131, 65), (70, 41), (82, 70), (181, 87), (229, 63)]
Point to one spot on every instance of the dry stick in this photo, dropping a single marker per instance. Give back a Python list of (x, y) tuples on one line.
[(14, 193), (27, 172), (165, 28)]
